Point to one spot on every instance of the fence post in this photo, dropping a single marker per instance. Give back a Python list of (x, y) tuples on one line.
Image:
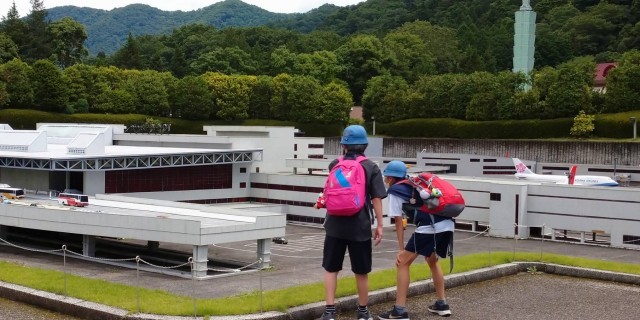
[(260, 274), (64, 267), (193, 288), (489, 235), (138, 282), (542, 242)]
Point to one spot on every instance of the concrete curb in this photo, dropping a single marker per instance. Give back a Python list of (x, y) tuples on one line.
[(90, 310)]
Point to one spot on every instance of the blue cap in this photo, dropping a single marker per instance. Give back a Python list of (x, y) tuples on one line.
[(354, 134), (395, 168)]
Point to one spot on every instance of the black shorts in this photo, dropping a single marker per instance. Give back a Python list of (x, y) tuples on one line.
[(424, 243), (360, 254)]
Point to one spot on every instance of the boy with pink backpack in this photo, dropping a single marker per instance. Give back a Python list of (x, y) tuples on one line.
[(353, 189)]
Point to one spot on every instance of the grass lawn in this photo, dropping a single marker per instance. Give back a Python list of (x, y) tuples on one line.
[(164, 303)]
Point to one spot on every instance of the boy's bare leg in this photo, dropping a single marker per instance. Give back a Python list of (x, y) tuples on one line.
[(330, 284), (436, 275), (404, 259), (362, 284)]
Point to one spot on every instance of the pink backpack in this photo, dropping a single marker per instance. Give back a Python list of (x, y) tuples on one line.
[(345, 189)]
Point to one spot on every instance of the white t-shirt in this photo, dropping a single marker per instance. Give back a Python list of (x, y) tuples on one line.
[(394, 209)]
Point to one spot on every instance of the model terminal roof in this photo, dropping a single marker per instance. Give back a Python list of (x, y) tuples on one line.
[(89, 147)]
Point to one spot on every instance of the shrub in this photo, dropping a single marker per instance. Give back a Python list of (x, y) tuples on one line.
[(582, 125)]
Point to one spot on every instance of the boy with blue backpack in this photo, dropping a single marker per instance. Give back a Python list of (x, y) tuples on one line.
[(354, 187), (432, 238)]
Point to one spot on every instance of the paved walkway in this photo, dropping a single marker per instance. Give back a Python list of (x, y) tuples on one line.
[(298, 262)]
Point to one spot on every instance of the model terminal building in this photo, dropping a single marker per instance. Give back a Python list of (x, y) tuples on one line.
[(155, 185)]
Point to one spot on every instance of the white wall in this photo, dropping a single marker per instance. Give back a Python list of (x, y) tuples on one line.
[(276, 142)]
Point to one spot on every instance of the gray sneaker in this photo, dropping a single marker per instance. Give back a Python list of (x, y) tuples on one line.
[(328, 316), (364, 315)]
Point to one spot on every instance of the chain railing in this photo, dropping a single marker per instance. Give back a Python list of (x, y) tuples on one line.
[(190, 263), (226, 270)]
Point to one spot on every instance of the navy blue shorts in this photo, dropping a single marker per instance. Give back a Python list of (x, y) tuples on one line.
[(424, 244), (360, 254)]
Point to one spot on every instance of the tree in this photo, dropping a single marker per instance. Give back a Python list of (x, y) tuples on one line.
[(38, 35), (385, 97), (336, 102), (485, 100), (279, 104), (16, 75), (439, 97), (260, 100), (411, 58), (440, 42), (282, 60), (128, 57), (192, 99), (572, 89), (80, 79), (118, 101), (152, 97), (49, 87), (322, 65), (8, 49), (14, 27), (230, 60), (361, 58), (623, 87), (230, 96), (305, 99), (68, 42)]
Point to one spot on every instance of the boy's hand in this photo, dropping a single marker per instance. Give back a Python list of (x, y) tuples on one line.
[(377, 235)]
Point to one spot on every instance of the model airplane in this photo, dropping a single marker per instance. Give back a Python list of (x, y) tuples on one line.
[(524, 173)]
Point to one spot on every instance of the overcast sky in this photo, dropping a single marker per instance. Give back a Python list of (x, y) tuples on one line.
[(284, 6)]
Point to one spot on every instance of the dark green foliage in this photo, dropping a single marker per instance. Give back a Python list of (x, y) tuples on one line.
[(616, 125), (49, 87), (459, 129)]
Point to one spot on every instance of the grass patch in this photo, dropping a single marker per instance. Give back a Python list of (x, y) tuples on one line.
[(164, 303)]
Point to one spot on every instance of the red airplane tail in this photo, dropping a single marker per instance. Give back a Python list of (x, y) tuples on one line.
[(572, 174)]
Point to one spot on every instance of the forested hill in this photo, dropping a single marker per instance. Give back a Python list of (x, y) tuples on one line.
[(108, 30), (484, 28)]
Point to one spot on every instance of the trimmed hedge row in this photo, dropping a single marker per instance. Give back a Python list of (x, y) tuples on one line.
[(27, 119), (616, 126)]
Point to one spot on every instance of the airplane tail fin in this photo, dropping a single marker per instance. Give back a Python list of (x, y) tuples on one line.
[(572, 174), (521, 167)]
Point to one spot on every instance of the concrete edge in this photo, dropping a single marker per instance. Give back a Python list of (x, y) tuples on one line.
[(90, 310)]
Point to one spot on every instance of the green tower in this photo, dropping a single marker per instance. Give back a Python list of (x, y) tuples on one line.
[(524, 39)]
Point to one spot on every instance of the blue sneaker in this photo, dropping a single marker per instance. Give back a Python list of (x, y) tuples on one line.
[(394, 315), (439, 308), (328, 316)]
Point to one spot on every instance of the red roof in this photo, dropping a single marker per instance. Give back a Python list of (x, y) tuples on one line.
[(602, 70)]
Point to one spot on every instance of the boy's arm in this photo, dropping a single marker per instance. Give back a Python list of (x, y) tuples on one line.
[(377, 209)]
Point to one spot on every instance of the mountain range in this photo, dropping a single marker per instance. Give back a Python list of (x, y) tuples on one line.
[(108, 29)]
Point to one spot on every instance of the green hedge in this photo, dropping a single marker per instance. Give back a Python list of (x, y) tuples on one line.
[(453, 128), (26, 120), (616, 126)]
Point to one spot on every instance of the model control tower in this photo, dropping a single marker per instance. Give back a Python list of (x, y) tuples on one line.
[(524, 39)]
